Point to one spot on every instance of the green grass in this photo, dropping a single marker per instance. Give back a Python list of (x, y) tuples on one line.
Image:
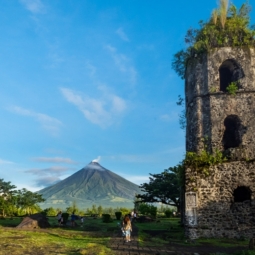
[(161, 232), (169, 231), (56, 240), (223, 242), (94, 236)]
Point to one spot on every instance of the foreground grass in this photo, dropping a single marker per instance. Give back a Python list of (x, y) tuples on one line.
[(168, 231), (55, 240), (94, 236), (161, 232)]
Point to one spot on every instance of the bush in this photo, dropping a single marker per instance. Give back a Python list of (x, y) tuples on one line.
[(106, 218), (147, 209), (65, 217), (124, 211), (50, 211), (168, 213), (118, 215), (153, 211)]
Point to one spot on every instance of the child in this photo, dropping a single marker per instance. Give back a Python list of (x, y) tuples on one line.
[(127, 227), (82, 219)]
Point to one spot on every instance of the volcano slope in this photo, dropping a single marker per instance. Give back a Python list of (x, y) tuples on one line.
[(92, 185)]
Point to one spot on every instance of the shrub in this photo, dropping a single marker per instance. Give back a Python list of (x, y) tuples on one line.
[(65, 217), (49, 211), (153, 211), (232, 88), (168, 213), (106, 218), (118, 215)]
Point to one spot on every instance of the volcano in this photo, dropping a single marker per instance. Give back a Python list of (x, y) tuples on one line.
[(92, 185)]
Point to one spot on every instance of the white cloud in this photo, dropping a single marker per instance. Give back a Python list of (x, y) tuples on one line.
[(47, 181), (52, 171), (173, 116), (55, 59), (134, 158), (165, 117), (55, 160), (34, 6), (3, 162), (122, 34), (102, 111), (91, 69), (148, 47), (123, 63), (50, 124), (48, 176)]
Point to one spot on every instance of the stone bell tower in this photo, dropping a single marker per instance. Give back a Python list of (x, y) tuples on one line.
[(222, 204)]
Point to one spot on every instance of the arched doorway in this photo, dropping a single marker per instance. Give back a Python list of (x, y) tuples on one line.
[(230, 71), (232, 135)]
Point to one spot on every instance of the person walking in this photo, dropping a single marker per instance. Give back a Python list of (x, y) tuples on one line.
[(73, 217), (59, 218), (127, 227), (82, 220)]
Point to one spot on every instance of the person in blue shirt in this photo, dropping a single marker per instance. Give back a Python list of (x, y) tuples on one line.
[(73, 219)]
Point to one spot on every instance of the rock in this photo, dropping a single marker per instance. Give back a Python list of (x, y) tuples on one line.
[(33, 221)]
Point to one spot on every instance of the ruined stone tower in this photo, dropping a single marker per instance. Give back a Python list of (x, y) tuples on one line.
[(222, 204)]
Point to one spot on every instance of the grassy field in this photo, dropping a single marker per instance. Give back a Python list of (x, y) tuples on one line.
[(169, 231), (56, 240), (92, 238)]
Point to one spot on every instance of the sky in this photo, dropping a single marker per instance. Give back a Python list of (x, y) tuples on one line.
[(85, 80)]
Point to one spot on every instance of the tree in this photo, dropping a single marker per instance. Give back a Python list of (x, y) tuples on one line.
[(7, 196), (72, 209), (51, 211), (27, 200), (100, 210), (227, 27), (164, 187)]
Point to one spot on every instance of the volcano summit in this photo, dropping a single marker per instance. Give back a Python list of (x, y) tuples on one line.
[(92, 185)]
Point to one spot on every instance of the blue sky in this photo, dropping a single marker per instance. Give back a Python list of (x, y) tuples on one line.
[(91, 79)]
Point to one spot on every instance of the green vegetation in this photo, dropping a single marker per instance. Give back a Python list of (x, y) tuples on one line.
[(199, 163), (161, 232), (166, 187), (94, 237), (168, 213), (232, 88), (53, 240), (163, 187), (17, 202), (118, 215), (247, 252), (147, 209), (106, 218), (227, 26)]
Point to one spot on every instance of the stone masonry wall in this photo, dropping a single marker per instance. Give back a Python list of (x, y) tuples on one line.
[(217, 213)]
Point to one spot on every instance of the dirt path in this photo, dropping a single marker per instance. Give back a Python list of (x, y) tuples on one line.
[(120, 247)]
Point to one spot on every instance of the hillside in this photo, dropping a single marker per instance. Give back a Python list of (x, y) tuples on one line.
[(92, 184)]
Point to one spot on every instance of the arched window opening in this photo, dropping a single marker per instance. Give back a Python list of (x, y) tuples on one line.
[(242, 194), (232, 135), (230, 71)]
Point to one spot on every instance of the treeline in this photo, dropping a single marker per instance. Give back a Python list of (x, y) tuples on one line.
[(141, 208)]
